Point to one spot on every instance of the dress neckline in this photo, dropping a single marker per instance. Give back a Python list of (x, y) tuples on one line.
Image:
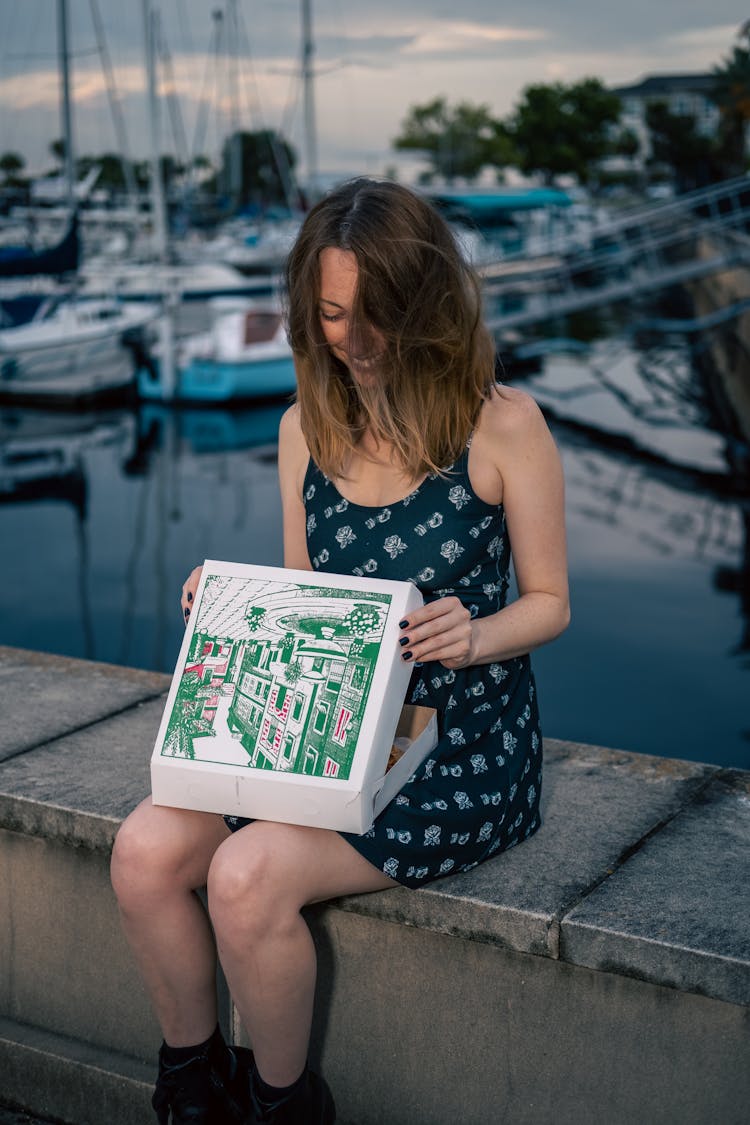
[(379, 507), (461, 461)]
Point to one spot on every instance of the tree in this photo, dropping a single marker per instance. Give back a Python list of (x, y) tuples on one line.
[(258, 168), (560, 129), (254, 618), (112, 174), (677, 142), (142, 173), (732, 95), (11, 164), (58, 149), (170, 169), (202, 175), (458, 140), (203, 168)]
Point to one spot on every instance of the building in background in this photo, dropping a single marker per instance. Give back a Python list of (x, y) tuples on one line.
[(687, 95)]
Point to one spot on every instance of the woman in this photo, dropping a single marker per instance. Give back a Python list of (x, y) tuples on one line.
[(401, 459)]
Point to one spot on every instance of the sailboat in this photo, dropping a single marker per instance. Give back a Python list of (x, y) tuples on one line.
[(244, 355), (63, 258), (71, 352)]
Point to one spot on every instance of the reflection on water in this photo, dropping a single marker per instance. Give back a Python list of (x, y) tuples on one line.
[(658, 504), (102, 516)]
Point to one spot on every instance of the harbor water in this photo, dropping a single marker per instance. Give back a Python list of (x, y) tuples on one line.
[(103, 514)]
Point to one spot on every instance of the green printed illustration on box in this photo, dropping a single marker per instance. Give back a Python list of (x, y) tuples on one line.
[(277, 676)]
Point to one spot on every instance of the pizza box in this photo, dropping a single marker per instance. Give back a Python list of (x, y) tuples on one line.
[(286, 699)]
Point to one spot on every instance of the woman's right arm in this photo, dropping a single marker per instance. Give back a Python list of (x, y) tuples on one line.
[(293, 461)]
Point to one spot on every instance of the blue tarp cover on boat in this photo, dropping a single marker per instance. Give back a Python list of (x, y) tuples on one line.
[(19, 261), (487, 207)]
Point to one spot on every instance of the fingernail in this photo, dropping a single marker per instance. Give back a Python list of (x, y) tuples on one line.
[(403, 624), (406, 656), (187, 614), (404, 641), (190, 597)]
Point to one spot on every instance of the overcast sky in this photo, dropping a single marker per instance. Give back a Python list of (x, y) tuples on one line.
[(374, 60)]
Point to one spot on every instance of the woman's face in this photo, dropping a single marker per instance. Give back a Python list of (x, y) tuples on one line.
[(338, 286)]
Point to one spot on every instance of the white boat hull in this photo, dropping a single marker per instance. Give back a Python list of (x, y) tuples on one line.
[(68, 375)]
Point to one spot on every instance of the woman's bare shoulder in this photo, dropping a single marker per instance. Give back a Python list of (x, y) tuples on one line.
[(511, 414), (290, 425), (293, 451), (291, 437)]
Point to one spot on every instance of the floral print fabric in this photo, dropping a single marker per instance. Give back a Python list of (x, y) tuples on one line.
[(478, 793)]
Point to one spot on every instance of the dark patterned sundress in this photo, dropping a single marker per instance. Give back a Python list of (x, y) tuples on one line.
[(478, 792)]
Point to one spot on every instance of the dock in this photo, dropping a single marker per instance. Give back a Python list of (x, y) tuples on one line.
[(643, 251)]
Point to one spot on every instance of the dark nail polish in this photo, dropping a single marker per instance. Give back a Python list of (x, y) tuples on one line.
[(403, 624), (406, 656), (187, 614), (190, 597), (404, 641)]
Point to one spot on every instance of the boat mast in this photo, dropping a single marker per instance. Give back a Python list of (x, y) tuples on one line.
[(67, 116), (157, 189), (311, 143), (167, 376), (235, 141)]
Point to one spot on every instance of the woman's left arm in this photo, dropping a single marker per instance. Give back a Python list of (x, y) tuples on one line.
[(516, 441)]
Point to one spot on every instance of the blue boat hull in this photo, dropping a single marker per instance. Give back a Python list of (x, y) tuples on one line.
[(210, 382)]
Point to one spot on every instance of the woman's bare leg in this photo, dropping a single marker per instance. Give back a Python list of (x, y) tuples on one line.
[(161, 856), (258, 882)]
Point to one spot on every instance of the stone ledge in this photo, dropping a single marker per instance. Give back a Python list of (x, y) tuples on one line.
[(70, 1080), (627, 841), (598, 805), (690, 932), (46, 696), (54, 822)]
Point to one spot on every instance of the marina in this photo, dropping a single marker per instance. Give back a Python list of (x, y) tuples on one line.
[(597, 321), (128, 500), (144, 369), (157, 163)]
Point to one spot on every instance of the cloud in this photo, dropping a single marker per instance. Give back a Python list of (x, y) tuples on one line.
[(718, 38), (456, 38), (39, 90), (374, 62), (359, 49)]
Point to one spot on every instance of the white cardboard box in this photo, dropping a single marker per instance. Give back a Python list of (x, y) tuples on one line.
[(286, 698)]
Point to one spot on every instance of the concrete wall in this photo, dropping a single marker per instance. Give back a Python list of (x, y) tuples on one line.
[(424, 1028), (599, 973)]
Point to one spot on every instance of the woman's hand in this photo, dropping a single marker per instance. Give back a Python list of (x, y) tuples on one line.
[(442, 630), (188, 591)]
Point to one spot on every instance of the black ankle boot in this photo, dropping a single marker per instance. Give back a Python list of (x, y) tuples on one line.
[(311, 1104), (209, 1088)]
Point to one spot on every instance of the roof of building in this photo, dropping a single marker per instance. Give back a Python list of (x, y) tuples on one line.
[(655, 85)]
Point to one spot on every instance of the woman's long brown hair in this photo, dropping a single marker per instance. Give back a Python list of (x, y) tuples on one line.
[(423, 300)]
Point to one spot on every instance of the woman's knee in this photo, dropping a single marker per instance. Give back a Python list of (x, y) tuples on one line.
[(152, 852), (135, 853), (248, 887)]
